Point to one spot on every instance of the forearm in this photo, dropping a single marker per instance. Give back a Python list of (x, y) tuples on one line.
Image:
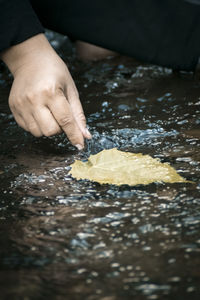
[(18, 23)]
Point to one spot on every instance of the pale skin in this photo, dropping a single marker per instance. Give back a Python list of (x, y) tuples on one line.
[(43, 98)]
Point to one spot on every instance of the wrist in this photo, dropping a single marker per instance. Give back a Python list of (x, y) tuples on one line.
[(21, 54)]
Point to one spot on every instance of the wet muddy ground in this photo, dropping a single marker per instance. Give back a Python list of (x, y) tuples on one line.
[(67, 239)]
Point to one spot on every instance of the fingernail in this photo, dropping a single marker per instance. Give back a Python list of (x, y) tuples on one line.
[(88, 133), (79, 147)]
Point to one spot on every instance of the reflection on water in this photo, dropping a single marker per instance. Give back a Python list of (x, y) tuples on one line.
[(68, 239)]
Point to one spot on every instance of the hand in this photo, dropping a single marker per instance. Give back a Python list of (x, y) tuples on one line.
[(43, 98)]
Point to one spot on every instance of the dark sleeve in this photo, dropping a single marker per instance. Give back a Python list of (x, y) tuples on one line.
[(18, 22)]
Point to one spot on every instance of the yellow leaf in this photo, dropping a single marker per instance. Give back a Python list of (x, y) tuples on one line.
[(118, 167)]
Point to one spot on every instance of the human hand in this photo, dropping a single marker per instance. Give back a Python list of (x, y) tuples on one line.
[(43, 98)]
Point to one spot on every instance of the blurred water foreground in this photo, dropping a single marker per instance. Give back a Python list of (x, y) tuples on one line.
[(67, 239)]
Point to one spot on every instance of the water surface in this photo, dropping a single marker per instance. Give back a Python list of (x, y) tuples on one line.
[(67, 239)]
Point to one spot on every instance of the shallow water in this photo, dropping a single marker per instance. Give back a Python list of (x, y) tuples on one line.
[(67, 239)]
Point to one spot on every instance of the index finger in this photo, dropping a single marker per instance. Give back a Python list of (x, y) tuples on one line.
[(61, 110)]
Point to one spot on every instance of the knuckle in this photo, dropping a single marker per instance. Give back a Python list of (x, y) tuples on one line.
[(59, 91), (81, 117), (34, 131), (47, 91), (66, 121), (15, 102), (32, 127), (30, 97)]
